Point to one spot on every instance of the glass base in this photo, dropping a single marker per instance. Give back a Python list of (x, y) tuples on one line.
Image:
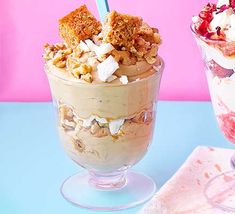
[(93, 192), (220, 191)]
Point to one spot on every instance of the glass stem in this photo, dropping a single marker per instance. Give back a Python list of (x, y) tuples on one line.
[(107, 181)]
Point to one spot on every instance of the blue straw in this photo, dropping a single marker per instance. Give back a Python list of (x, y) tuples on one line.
[(103, 8)]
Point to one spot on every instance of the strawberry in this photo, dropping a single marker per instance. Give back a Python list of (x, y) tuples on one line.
[(232, 3), (206, 16), (203, 28), (227, 125)]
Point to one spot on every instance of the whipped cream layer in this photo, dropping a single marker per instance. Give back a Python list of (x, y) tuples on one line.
[(222, 90)]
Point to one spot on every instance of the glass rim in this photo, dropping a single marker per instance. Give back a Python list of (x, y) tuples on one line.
[(158, 73), (203, 38)]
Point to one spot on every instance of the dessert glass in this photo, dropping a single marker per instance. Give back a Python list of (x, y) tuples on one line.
[(107, 184), (220, 190)]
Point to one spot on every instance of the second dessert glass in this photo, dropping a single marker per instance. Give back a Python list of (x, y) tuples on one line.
[(220, 191), (86, 115)]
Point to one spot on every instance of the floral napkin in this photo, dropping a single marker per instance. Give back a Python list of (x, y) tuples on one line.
[(183, 193)]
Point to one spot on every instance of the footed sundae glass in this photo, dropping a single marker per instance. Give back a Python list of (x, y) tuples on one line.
[(219, 59), (89, 116)]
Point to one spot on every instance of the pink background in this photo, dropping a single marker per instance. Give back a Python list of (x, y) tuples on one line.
[(26, 25)]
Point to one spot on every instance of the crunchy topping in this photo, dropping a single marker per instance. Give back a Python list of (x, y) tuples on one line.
[(144, 117), (130, 33), (99, 131), (67, 118), (58, 53), (121, 29), (88, 51), (78, 25), (124, 57), (87, 77), (82, 69)]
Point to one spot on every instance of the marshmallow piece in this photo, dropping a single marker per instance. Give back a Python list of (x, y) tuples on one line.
[(99, 50), (84, 47), (110, 79), (101, 120), (87, 122), (104, 49), (115, 125), (222, 2), (123, 79), (91, 45), (107, 68)]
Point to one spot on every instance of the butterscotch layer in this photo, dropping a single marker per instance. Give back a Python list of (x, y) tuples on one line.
[(110, 101), (106, 153)]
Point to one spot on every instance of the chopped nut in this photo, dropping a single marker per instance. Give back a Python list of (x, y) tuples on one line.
[(66, 113), (67, 125), (60, 64), (78, 145), (144, 117), (151, 55), (78, 52), (87, 77), (123, 57), (60, 46), (83, 69), (76, 73), (68, 51), (72, 63), (98, 131)]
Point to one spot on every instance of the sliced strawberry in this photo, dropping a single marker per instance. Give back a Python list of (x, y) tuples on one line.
[(220, 71), (232, 3), (203, 28), (206, 15), (227, 125)]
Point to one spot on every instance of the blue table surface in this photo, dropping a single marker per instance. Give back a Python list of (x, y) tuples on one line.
[(33, 164)]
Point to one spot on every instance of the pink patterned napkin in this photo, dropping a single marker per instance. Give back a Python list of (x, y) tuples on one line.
[(183, 193)]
